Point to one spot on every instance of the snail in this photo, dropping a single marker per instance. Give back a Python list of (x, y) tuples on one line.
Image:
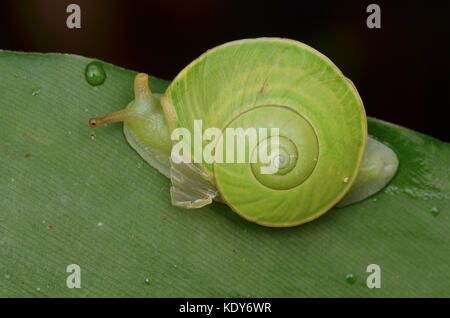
[(286, 92)]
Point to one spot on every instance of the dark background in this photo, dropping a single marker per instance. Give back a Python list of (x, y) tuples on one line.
[(401, 71)]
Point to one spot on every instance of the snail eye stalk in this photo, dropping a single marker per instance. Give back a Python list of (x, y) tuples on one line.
[(121, 115), (142, 94)]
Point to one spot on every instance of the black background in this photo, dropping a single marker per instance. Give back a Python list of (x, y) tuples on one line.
[(401, 71)]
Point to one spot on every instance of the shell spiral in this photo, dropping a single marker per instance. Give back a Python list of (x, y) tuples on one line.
[(300, 99)]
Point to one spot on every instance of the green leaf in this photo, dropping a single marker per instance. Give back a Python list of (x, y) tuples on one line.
[(70, 197)]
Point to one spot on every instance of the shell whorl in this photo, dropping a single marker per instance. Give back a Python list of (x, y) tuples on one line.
[(280, 159)]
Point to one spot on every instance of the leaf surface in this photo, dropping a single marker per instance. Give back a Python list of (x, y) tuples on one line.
[(72, 196)]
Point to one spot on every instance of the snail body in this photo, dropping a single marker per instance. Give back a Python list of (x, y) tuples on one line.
[(291, 96)]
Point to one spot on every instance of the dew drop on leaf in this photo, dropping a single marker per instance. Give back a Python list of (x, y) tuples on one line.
[(35, 91), (94, 73), (350, 278), (435, 211)]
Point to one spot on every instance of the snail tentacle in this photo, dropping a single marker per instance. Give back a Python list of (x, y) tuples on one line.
[(119, 116)]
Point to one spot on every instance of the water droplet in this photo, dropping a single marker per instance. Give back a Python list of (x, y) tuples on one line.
[(12, 179), (89, 180), (375, 200), (86, 110), (35, 91), (139, 165), (94, 73), (64, 198), (350, 278), (435, 211), (99, 224), (43, 221), (69, 132), (38, 289), (147, 281), (92, 135), (7, 276)]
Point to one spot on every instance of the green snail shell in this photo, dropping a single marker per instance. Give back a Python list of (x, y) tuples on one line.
[(262, 83), (268, 83)]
